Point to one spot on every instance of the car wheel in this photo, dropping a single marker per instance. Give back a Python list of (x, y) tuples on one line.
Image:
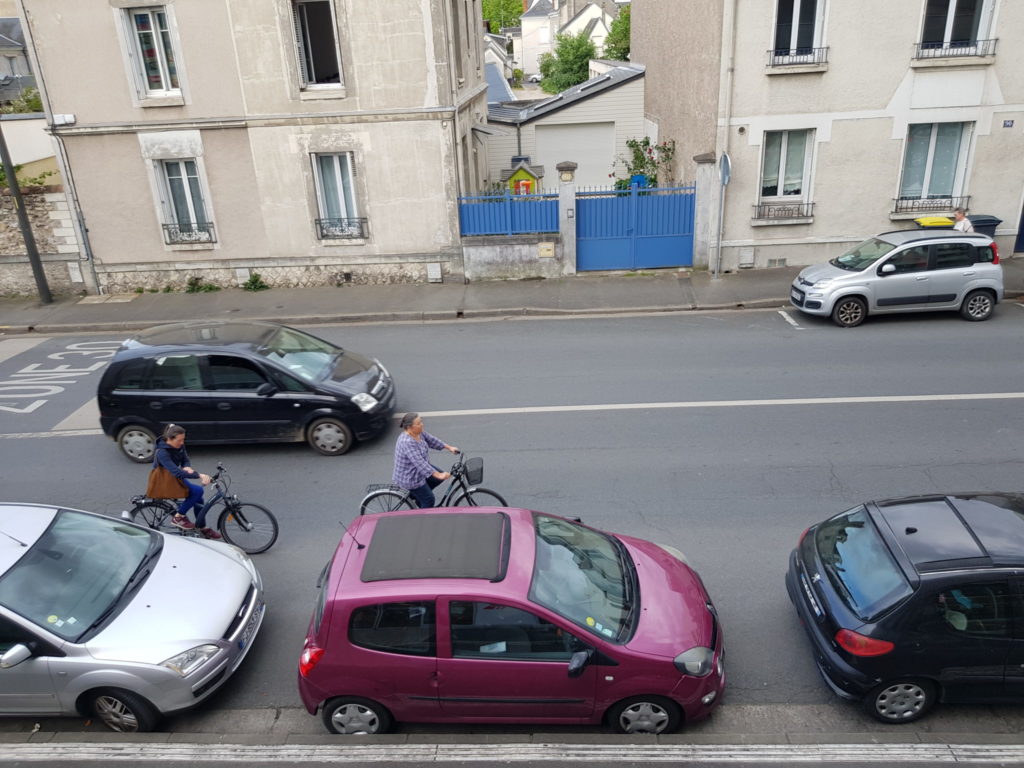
[(329, 437), (137, 443), (977, 306), (350, 715), (849, 312), (901, 702), (123, 711), (645, 714)]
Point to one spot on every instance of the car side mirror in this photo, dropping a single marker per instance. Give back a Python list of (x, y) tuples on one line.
[(266, 389), (887, 269), (14, 656), (578, 661)]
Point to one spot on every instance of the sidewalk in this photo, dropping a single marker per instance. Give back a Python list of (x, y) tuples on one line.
[(668, 290)]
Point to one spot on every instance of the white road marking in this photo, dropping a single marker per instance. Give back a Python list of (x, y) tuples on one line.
[(15, 346), (86, 417), (526, 410), (497, 754), (790, 320)]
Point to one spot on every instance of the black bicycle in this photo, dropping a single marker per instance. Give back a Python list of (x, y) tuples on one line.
[(463, 490), (250, 527)]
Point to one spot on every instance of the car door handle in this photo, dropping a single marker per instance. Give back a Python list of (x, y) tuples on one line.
[(969, 273), (223, 406), (922, 277), (156, 405)]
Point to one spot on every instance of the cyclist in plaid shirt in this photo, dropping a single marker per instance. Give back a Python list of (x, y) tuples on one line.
[(413, 470)]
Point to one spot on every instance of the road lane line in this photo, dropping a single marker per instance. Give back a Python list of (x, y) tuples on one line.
[(790, 320), (63, 433), (13, 347)]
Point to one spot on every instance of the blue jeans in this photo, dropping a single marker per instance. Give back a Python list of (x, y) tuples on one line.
[(194, 499), (424, 495)]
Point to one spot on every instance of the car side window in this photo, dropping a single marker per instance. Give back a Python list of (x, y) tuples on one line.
[(977, 609), (494, 631), (175, 372), (234, 374), (984, 254), (407, 628), (132, 375), (953, 255), (911, 260)]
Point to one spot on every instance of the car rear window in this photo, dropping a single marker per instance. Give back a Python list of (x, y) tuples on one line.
[(859, 565)]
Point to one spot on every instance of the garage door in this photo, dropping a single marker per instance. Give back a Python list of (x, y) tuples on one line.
[(589, 145)]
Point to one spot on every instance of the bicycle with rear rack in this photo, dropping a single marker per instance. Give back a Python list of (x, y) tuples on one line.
[(250, 527), (463, 490)]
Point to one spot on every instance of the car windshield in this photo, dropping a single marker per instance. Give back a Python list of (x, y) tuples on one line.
[(859, 564), (863, 256), (584, 576), (78, 572), (306, 356)]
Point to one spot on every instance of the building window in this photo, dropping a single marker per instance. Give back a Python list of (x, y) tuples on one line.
[(316, 44), (336, 199), (153, 49), (187, 221), (785, 172), (797, 32), (933, 166), (955, 27)]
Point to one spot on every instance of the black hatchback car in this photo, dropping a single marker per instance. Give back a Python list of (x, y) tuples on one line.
[(241, 382), (917, 600)]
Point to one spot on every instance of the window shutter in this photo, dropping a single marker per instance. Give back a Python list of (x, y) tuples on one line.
[(300, 47)]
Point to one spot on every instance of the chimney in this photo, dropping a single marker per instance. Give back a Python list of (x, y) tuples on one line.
[(526, 5)]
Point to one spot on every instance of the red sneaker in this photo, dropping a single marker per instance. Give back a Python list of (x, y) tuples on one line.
[(209, 533), (182, 522)]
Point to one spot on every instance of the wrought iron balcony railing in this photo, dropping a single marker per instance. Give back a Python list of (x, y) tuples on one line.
[(337, 229), (953, 48), (775, 211), (929, 204), (782, 57), (189, 233)]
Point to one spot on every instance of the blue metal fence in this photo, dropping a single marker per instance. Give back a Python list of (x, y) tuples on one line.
[(508, 214)]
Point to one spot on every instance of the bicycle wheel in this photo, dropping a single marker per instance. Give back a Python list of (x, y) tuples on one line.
[(385, 500), (479, 497), (250, 527), (156, 515)]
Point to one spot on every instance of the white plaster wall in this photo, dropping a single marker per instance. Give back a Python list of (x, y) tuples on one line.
[(27, 139)]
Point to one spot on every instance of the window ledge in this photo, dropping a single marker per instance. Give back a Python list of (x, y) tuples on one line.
[(191, 247), (332, 241), (781, 221), (950, 62), (323, 92), (171, 100), (795, 69)]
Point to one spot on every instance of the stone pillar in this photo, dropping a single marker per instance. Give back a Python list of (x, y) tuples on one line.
[(705, 218), (567, 214)]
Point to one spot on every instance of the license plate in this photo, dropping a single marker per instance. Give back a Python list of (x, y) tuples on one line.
[(796, 295), (250, 628)]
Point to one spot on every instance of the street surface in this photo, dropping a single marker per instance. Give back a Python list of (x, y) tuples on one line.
[(724, 434)]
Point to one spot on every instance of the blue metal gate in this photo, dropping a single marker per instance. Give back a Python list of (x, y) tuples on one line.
[(638, 228)]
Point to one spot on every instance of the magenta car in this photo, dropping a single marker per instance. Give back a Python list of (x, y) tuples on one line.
[(493, 615)]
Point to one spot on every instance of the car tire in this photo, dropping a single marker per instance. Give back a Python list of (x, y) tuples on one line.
[(123, 711), (901, 701), (977, 306), (645, 714), (352, 715), (849, 312), (329, 437), (137, 443)]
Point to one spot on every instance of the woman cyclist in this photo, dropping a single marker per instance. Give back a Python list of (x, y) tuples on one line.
[(171, 455)]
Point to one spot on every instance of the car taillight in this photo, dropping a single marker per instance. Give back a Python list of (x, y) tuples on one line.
[(862, 645), (311, 654), (801, 539), (995, 253)]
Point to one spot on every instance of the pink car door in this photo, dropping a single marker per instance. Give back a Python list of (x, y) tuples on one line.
[(508, 662)]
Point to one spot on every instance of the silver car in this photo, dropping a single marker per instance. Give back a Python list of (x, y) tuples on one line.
[(96, 618), (904, 271)]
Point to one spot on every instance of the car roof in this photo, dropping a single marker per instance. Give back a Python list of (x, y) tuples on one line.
[(969, 530), (208, 334), (20, 526), (903, 236)]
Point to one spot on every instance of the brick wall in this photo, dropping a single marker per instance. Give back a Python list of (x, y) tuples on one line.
[(50, 218)]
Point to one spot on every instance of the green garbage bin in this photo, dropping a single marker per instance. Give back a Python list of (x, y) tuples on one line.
[(934, 222), (984, 223)]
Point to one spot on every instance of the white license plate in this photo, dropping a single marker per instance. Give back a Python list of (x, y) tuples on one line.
[(250, 628), (795, 295)]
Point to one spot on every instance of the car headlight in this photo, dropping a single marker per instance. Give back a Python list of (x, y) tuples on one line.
[(365, 401), (822, 283), (188, 662), (696, 662), (675, 553), (383, 371)]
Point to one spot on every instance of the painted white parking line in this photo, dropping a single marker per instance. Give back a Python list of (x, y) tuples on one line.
[(499, 754), (15, 346), (786, 316), (62, 433), (86, 417)]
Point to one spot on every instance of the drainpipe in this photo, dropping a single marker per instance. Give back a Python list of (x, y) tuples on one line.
[(726, 70)]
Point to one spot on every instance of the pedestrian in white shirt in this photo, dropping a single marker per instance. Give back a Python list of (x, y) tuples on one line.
[(962, 223)]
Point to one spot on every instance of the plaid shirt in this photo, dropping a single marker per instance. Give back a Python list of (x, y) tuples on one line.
[(411, 465)]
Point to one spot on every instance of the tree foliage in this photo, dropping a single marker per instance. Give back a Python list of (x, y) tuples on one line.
[(502, 13), (568, 65), (28, 101), (616, 45)]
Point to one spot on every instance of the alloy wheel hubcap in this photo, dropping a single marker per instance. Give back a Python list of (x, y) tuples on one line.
[(116, 715), (978, 306), (849, 313), (898, 702), (354, 719), (643, 717), (137, 444), (329, 437)]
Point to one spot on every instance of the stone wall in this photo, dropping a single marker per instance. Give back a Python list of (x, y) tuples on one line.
[(513, 257), (52, 227)]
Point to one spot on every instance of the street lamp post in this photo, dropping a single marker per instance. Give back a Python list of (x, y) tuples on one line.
[(23, 223)]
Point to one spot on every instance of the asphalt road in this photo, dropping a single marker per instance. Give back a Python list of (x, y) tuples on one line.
[(775, 422)]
